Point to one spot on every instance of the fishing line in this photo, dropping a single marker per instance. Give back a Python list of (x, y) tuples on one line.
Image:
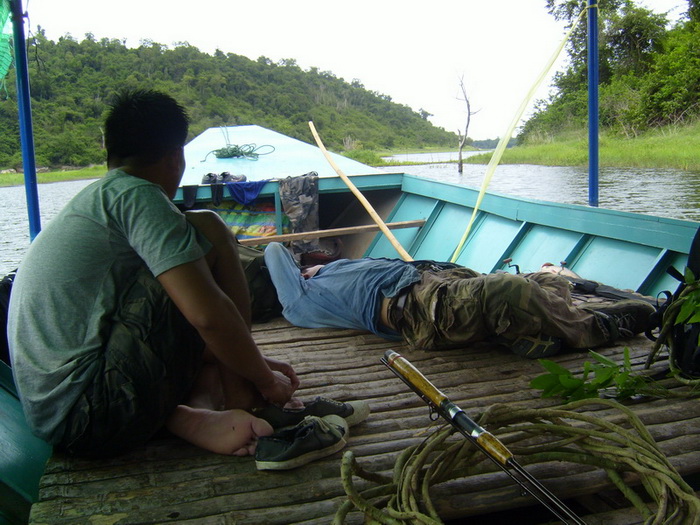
[(500, 148)]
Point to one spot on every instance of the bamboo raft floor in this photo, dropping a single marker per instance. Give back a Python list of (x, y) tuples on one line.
[(170, 481)]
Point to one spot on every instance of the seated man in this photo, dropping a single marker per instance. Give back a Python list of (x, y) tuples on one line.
[(127, 315), (437, 308)]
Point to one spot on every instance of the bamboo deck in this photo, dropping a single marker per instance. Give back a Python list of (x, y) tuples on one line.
[(170, 481)]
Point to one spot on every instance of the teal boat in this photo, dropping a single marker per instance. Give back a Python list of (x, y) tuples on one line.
[(170, 481), (625, 250)]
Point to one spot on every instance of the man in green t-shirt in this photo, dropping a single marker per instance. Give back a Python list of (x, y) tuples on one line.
[(127, 315)]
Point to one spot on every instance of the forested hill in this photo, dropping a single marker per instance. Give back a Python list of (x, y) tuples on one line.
[(71, 84)]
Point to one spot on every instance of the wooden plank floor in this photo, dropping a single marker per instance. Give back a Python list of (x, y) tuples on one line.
[(170, 481)]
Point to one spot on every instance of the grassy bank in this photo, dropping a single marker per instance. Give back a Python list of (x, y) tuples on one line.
[(16, 179), (669, 147)]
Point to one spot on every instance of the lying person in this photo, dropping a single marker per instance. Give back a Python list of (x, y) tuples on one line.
[(430, 306)]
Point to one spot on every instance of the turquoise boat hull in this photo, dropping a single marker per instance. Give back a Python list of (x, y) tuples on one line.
[(621, 249)]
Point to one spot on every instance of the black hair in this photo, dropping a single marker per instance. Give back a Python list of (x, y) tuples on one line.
[(143, 125)]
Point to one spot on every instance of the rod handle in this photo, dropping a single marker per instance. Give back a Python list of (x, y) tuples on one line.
[(413, 377)]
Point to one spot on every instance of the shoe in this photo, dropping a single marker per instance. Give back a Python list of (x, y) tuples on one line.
[(210, 178), (313, 438), (353, 412), (227, 177), (534, 346), (624, 318)]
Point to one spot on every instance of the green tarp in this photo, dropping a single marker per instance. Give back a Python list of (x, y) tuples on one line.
[(5, 36)]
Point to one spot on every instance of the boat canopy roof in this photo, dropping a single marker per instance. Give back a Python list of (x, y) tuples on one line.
[(280, 156)]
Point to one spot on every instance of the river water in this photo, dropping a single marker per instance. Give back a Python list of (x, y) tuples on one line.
[(663, 192)]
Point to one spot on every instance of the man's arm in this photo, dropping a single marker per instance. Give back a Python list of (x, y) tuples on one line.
[(213, 314)]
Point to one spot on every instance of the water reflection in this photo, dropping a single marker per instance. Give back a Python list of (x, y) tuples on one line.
[(653, 191), (662, 192)]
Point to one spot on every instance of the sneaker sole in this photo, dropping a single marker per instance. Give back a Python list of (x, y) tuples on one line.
[(360, 412), (303, 459)]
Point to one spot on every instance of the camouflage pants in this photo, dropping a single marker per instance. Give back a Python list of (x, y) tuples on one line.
[(458, 306), (148, 365)]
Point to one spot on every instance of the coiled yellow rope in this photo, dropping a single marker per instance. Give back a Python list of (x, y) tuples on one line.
[(569, 435)]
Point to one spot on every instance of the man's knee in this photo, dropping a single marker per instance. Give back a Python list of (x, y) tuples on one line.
[(211, 225)]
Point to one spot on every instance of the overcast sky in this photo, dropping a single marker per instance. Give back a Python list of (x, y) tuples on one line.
[(413, 51)]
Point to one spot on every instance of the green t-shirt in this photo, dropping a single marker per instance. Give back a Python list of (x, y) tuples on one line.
[(69, 282)]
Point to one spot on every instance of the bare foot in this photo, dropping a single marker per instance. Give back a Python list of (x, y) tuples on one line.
[(231, 432)]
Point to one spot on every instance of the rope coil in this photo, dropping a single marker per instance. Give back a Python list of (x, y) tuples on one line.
[(233, 151), (619, 449)]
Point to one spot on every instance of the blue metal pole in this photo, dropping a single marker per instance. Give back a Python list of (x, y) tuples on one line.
[(593, 103), (25, 119)]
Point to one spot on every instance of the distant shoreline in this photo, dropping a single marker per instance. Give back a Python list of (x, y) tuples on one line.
[(672, 147)]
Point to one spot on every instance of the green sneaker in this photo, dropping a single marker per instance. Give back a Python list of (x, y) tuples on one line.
[(353, 412), (313, 438)]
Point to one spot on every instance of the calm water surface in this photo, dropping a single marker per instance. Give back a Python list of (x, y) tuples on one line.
[(663, 192)]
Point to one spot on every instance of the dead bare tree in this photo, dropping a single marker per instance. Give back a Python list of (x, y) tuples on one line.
[(463, 138)]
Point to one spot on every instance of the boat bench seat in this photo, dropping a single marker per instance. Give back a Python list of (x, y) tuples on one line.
[(22, 455)]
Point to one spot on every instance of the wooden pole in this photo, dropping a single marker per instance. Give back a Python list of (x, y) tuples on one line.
[(375, 216), (334, 232)]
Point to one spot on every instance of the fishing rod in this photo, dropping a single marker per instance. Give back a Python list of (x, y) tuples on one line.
[(484, 440)]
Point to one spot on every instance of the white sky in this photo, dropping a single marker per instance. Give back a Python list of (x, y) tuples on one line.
[(413, 51)]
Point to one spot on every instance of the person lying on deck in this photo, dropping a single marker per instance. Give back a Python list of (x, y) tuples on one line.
[(437, 305), (127, 315)]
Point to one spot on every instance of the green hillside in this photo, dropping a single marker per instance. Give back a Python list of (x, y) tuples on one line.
[(71, 83)]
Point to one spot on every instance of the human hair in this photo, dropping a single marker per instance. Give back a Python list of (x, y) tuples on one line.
[(143, 125)]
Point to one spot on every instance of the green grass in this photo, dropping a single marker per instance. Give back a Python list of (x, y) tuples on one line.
[(16, 179), (669, 147)]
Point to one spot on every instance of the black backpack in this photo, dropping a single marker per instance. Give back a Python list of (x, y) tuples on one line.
[(678, 318), (263, 295), (5, 289)]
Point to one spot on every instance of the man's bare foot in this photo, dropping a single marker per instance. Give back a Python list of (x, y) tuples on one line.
[(231, 432)]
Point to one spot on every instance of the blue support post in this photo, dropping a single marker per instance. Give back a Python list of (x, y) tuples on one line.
[(25, 118), (593, 103)]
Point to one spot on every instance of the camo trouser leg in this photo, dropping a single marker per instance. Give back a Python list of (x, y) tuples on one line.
[(451, 308)]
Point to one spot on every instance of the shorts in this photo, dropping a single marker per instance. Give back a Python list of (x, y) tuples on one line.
[(150, 360)]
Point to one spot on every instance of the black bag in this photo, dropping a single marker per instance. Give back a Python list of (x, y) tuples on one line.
[(5, 289), (263, 296), (682, 338)]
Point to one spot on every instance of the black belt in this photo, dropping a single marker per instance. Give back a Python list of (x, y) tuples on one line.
[(396, 307)]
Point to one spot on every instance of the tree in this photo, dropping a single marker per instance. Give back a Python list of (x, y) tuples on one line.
[(632, 40), (694, 10), (463, 138)]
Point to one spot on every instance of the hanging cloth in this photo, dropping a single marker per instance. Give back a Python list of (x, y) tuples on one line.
[(245, 192), (299, 196)]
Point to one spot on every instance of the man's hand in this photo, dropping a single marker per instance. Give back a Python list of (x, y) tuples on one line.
[(285, 368), (279, 391)]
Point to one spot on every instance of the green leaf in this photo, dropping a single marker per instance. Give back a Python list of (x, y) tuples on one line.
[(689, 277), (553, 367), (552, 391), (602, 359), (544, 381), (603, 377), (686, 312), (570, 383), (628, 361)]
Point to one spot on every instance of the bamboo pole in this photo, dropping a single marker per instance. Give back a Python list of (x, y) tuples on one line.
[(375, 216), (333, 232)]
